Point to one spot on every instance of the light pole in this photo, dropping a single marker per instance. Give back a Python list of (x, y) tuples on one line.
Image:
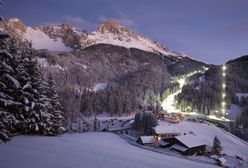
[(223, 92)]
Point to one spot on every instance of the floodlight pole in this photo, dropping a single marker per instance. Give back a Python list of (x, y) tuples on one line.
[(223, 93)]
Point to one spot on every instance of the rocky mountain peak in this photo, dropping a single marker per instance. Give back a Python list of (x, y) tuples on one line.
[(112, 26), (15, 24)]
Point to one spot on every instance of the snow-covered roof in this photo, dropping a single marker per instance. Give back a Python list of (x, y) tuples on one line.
[(190, 140), (147, 139), (179, 147), (163, 143), (222, 160), (166, 129)]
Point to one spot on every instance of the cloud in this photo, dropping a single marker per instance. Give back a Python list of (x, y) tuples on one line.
[(122, 18), (79, 22)]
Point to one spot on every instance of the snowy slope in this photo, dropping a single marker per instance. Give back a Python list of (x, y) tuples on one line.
[(89, 150), (42, 41), (38, 38), (231, 144), (127, 42)]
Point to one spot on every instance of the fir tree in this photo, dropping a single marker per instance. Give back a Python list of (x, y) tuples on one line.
[(9, 88), (217, 147), (96, 124), (56, 109), (144, 122)]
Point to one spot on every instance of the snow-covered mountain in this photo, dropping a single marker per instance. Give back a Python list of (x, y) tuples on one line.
[(36, 36), (66, 38), (113, 33)]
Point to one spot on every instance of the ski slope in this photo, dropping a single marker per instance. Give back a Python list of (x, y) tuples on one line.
[(93, 150)]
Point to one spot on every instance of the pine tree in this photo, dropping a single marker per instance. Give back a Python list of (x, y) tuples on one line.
[(9, 88), (56, 108), (137, 122), (217, 147), (96, 124), (144, 122)]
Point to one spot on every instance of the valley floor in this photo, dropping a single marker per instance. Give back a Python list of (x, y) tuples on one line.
[(92, 150)]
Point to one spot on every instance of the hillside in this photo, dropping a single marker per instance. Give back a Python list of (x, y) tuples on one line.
[(203, 93), (205, 89), (132, 77), (84, 150)]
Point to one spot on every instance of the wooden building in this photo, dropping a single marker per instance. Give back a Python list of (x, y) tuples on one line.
[(166, 132), (188, 145), (161, 114), (173, 117), (152, 141)]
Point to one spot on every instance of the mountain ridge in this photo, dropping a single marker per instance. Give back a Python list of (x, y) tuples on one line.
[(68, 38)]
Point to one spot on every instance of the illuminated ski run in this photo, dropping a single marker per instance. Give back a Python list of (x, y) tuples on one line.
[(169, 104)]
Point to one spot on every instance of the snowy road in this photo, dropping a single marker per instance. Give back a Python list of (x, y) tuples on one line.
[(89, 150)]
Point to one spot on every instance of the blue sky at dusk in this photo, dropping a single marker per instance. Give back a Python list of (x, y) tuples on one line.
[(212, 31)]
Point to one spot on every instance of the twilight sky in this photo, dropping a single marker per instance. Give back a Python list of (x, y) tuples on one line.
[(212, 31)]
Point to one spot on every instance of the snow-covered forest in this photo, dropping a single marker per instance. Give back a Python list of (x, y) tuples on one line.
[(28, 102)]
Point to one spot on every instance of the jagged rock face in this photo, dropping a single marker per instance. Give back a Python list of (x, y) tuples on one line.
[(111, 32), (36, 36), (121, 32), (71, 36), (14, 27), (110, 26), (16, 24)]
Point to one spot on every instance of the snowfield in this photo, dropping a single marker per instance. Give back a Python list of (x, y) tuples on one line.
[(42, 41), (89, 150)]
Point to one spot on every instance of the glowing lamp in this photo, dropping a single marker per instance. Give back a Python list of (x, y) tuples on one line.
[(223, 67)]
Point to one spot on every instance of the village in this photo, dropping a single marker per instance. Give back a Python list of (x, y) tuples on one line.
[(176, 134)]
